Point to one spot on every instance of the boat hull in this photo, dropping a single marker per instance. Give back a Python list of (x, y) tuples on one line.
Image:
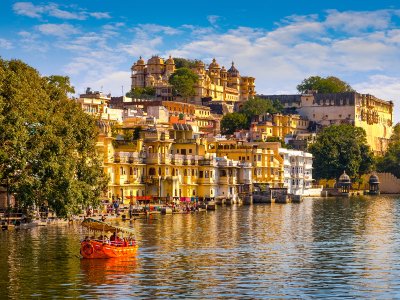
[(96, 249)]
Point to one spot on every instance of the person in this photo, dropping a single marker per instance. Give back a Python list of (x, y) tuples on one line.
[(113, 237), (130, 210), (116, 206)]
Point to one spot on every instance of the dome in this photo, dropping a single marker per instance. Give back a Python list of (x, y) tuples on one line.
[(344, 178), (233, 71), (140, 61), (373, 179), (214, 64), (199, 64), (170, 61), (155, 60)]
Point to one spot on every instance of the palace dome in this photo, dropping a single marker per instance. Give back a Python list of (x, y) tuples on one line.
[(170, 61), (155, 60), (233, 71), (214, 64), (140, 62)]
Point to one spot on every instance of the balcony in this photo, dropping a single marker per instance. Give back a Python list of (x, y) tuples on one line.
[(153, 158), (177, 159), (203, 180)]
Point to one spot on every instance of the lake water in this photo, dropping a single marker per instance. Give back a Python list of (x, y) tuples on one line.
[(319, 248)]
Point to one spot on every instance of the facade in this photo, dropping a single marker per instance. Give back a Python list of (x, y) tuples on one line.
[(215, 84), (96, 104), (277, 125), (374, 115), (297, 171)]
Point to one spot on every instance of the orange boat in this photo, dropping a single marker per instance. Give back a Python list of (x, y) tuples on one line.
[(102, 247)]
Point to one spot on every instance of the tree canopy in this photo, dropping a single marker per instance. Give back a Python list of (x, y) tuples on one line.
[(184, 63), (341, 148), (329, 84), (258, 106), (183, 82), (251, 108), (145, 92), (48, 142), (390, 162), (232, 122)]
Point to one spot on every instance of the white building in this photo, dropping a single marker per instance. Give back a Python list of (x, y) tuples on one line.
[(298, 172)]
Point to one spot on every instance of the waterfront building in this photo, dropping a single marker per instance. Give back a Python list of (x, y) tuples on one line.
[(374, 115), (297, 171), (215, 83), (267, 164)]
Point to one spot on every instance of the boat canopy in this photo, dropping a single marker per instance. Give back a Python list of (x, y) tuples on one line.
[(97, 225)]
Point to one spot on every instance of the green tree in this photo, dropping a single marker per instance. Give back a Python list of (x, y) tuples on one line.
[(184, 63), (48, 142), (183, 83), (258, 106), (323, 85), (232, 122), (390, 162), (341, 148), (145, 92)]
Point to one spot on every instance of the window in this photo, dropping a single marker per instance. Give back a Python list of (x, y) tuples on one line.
[(152, 171), (190, 150), (200, 174), (206, 174)]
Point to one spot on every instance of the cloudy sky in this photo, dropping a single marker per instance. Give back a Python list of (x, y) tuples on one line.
[(278, 42)]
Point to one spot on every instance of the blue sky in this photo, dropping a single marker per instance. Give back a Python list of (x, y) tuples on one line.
[(278, 42)]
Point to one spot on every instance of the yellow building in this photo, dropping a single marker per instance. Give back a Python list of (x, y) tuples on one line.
[(372, 114), (267, 164), (214, 84), (277, 125)]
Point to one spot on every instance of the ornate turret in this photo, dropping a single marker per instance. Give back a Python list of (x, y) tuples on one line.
[(170, 61), (170, 65), (374, 184), (344, 183), (214, 65), (140, 62), (233, 72)]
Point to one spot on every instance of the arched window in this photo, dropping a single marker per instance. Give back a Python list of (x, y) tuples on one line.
[(152, 171)]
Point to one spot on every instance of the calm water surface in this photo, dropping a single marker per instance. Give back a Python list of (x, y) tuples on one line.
[(319, 248)]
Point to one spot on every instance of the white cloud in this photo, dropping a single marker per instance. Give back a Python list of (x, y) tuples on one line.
[(29, 9), (59, 30), (148, 29), (30, 42), (356, 21), (112, 82), (5, 44), (100, 15)]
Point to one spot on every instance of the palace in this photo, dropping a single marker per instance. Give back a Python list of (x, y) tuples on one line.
[(374, 115), (215, 84)]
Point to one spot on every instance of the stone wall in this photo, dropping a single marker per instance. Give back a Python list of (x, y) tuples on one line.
[(389, 184)]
